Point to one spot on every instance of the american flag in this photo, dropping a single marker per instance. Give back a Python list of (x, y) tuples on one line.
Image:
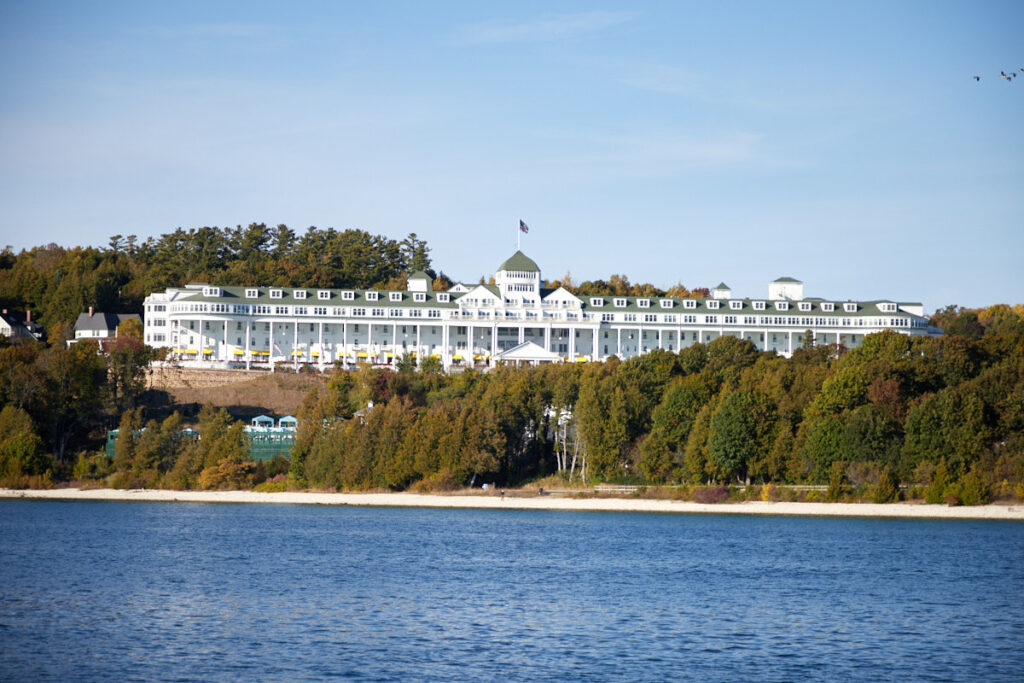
[(523, 226)]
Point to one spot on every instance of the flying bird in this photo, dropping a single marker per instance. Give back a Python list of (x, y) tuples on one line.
[(977, 78)]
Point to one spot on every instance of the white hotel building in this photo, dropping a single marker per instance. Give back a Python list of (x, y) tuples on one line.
[(514, 320)]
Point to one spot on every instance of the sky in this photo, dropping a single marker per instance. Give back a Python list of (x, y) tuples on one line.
[(844, 144)]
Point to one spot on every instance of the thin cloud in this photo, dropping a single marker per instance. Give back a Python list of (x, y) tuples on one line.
[(544, 29)]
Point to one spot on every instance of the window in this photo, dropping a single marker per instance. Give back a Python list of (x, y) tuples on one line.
[(358, 312), (711, 304), (276, 294), (643, 303), (433, 313), (211, 291), (758, 305), (690, 303), (650, 318), (300, 310), (735, 305), (415, 313), (629, 317), (620, 303), (348, 296), (730, 320), (781, 305), (443, 299), (711, 319), (689, 319), (666, 303), (828, 308), (320, 310), (670, 319), (850, 307), (299, 294), (419, 297), (252, 293), (323, 295), (607, 318), (280, 310), (371, 296), (887, 308), (596, 301), (395, 296), (804, 306), (377, 313)]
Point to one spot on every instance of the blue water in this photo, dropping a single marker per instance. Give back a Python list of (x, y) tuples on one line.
[(133, 591)]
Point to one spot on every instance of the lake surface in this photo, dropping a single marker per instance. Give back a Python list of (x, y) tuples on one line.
[(176, 591)]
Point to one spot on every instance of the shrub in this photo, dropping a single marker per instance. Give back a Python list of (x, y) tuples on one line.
[(711, 494), (439, 481), (887, 489)]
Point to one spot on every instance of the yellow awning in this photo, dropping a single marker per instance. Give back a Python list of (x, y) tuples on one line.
[(434, 355), (581, 359), (477, 356), (191, 351), (296, 352), (207, 351), (456, 357), (315, 353), (239, 352), (361, 354)]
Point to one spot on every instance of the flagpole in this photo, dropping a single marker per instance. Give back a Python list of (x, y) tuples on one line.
[(519, 234)]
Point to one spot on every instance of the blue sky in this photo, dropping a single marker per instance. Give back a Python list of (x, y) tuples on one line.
[(846, 145)]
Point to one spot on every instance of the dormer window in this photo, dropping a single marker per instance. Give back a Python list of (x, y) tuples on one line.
[(667, 303), (804, 306), (620, 303), (299, 294), (252, 293), (348, 296), (850, 307), (323, 295), (276, 294), (735, 305), (643, 303), (782, 305), (419, 297), (689, 303), (395, 296), (758, 305), (211, 291), (711, 304), (443, 298), (371, 296), (887, 308), (596, 301), (828, 308)]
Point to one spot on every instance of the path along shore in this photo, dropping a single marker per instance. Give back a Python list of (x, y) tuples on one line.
[(513, 502)]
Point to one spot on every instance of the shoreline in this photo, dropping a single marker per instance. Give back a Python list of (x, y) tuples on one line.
[(493, 502)]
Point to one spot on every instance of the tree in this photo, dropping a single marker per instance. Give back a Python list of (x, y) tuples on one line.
[(740, 432)]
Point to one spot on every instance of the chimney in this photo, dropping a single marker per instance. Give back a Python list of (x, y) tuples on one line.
[(28, 315), (5, 311), (90, 311)]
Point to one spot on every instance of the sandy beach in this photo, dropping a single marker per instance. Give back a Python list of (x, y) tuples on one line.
[(549, 502)]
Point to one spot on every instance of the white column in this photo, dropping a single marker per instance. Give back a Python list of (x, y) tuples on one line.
[(295, 343), (224, 346), (593, 342), (419, 350), (494, 342), (271, 349), (791, 342), (320, 343), (547, 337), (445, 337), (618, 341), (572, 345), (394, 345), (248, 330), (522, 334), (344, 344)]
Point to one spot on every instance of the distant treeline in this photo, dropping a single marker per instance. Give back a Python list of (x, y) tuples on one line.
[(58, 283)]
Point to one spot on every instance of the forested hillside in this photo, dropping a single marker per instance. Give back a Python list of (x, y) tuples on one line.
[(944, 417)]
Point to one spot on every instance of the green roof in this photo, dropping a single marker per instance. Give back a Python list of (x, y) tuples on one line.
[(419, 275), (722, 285), (788, 279), (521, 262)]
